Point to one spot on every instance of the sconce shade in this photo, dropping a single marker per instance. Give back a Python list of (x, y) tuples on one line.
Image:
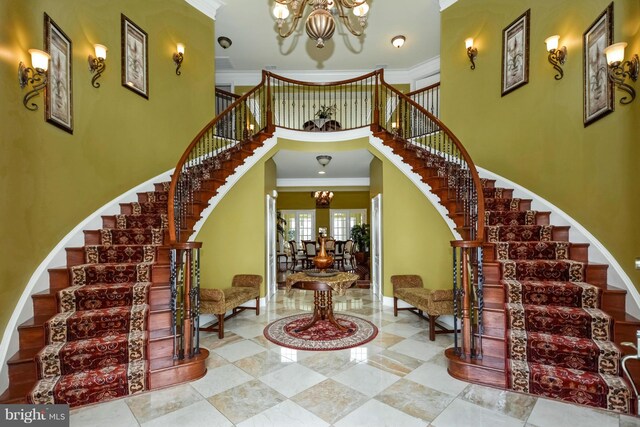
[(615, 52), (468, 42), (180, 48), (39, 59), (398, 41), (361, 10), (101, 51), (394, 125), (280, 11), (552, 42)]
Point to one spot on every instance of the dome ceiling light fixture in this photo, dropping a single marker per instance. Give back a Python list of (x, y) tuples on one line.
[(224, 42), (324, 161), (320, 24), (398, 41)]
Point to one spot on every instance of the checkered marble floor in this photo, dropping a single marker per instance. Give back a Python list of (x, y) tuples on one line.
[(398, 379)]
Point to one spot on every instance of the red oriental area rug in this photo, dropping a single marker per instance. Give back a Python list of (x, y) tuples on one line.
[(323, 336)]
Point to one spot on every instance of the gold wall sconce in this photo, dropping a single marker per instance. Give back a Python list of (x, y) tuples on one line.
[(557, 55), (620, 70), (472, 52), (36, 76), (178, 57), (97, 63)]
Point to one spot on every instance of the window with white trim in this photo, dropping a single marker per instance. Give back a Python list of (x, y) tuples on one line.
[(300, 225), (341, 221)]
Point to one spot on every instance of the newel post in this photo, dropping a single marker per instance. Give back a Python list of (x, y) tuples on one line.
[(376, 107), (185, 298), (270, 125)]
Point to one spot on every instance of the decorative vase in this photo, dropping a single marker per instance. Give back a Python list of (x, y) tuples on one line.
[(322, 261)]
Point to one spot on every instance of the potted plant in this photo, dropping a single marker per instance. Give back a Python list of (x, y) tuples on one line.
[(326, 111), (281, 223), (361, 236)]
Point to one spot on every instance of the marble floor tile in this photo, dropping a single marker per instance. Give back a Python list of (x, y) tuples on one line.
[(102, 415), (461, 413), (285, 414), (211, 341), (421, 350), (220, 379), (215, 361), (378, 414), (515, 405), (394, 363), (436, 377), (250, 331), (629, 421), (415, 399), (329, 363), (246, 400), (148, 406), (553, 413), (282, 380), (330, 400), (401, 329), (239, 350), (191, 416), (366, 379), (386, 340), (263, 363)]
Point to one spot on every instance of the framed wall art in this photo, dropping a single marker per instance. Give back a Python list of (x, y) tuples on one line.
[(515, 54), (59, 93), (598, 89), (135, 59)]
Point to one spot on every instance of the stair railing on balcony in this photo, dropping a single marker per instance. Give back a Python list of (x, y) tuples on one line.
[(320, 107)]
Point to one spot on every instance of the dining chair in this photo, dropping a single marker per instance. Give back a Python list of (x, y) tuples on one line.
[(348, 259), (296, 256), (330, 246), (310, 251)]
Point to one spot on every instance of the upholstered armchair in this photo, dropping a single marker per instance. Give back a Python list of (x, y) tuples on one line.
[(244, 287)]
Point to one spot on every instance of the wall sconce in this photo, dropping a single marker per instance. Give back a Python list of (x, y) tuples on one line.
[(97, 64), (619, 69), (472, 52), (36, 76), (398, 41), (178, 57), (557, 56)]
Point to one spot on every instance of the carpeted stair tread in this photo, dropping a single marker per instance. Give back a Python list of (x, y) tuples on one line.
[(571, 385), (126, 221), (497, 193), (155, 208), (597, 356), (567, 294), (558, 320), (519, 233), (88, 274), (560, 270), (132, 236), (500, 204), (157, 196), (66, 358), (86, 324), (510, 217), (118, 254), (97, 385), (102, 295), (547, 250)]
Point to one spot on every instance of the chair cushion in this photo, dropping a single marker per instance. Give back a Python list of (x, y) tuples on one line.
[(418, 297), (239, 295)]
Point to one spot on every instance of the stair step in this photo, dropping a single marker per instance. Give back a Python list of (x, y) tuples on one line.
[(127, 237), (499, 204), (488, 371), (120, 222), (526, 233), (493, 218), (62, 277), (595, 274), (537, 250), (117, 254)]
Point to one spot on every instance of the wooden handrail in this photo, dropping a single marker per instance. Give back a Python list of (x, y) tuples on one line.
[(335, 83), (423, 89), (227, 93)]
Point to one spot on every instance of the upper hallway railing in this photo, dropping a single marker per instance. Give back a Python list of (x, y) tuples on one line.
[(334, 106)]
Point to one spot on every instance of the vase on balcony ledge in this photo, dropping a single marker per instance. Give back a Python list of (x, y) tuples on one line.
[(322, 261)]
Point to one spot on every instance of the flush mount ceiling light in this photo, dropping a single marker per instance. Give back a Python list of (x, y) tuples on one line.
[(324, 161), (224, 42), (320, 24), (398, 41)]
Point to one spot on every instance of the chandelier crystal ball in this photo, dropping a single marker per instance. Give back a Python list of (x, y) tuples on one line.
[(320, 24)]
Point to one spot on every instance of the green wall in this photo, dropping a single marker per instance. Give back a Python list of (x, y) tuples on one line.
[(295, 200), (535, 134), (51, 180), (415, 237)]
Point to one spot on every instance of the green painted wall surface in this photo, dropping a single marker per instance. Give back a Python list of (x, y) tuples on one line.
[(535, 134), (51, 179), (295, 200)]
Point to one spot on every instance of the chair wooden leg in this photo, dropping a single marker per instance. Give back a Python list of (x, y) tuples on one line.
[(432, 328), (258, 306), (221, 326), (395, 306)]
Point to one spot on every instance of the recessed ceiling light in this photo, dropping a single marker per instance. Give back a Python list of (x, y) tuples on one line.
[(321, 172)]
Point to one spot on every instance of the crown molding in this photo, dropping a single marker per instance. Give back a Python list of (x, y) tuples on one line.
[(208, 7), (424, 69), (446, 3), (322, 182)]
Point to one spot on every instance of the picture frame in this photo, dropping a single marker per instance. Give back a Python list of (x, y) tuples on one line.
[(598, 90), (515, 53), (135, 57), (59, 90)]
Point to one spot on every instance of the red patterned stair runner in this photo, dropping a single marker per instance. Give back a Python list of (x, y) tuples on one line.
[(97, 343), (559, 342)]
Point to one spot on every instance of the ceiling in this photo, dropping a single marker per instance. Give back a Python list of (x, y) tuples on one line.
[(256, 44)]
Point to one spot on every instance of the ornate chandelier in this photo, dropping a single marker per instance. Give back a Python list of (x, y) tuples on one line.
[(320, 24)]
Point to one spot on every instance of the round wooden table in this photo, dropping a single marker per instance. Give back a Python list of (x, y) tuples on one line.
[(322, 288)]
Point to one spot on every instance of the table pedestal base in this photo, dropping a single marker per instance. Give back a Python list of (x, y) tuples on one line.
[(322, 310)]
